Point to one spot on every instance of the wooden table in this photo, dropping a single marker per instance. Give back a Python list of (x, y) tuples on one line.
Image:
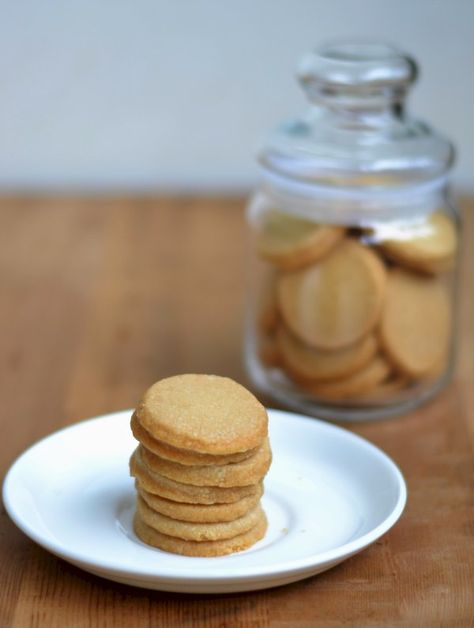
[(99, 298)]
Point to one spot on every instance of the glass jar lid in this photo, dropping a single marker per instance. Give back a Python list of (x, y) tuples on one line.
[(356, 134)]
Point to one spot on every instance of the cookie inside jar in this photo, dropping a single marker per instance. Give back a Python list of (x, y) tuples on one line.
[(365, 321)]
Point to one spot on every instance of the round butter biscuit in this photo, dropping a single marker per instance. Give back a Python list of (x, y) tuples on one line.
[(182, 456), (269, 353), (427, 247), (191, 531), (200, 548), (200, 513), (387, 389), (360, 382), (249, 471), (416, 322), (334, 303), (291, 242), (308, 364), (205, 413), (267, 306)]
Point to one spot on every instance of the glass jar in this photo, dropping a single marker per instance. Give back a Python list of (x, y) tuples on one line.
[(355, 240)]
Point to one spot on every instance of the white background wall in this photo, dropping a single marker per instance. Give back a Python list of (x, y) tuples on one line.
[(160, 94)]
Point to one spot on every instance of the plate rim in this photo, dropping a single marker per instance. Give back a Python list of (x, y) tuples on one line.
[(300, 565)]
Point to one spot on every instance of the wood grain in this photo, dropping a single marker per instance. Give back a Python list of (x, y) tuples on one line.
[(100, 297)]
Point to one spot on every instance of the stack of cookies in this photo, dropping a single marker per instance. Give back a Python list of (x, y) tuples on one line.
[(351, 314), (199, 467)]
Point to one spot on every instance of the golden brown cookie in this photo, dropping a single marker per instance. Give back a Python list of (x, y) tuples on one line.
[(200, 548), (361, 381), (437, 370), (200, 513), (268, 319), (387, 389), (268, 352), (267, 306), (437, 268), (290, 242), (204, 413), (191, 531), (334, 303), (307, 364), (249, 471), (183, 456), (179, 492), (429, 246), (416, 322)]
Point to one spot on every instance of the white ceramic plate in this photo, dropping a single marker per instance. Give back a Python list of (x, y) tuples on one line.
[(328, 495)]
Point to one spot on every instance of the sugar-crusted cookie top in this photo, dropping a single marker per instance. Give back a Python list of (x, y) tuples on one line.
[(184, 456), (204, 413)]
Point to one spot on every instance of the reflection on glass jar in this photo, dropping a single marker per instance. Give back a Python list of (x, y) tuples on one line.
[(351, 310)]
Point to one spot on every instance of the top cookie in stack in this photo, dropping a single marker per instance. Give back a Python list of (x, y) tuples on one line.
[(199, 467)]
